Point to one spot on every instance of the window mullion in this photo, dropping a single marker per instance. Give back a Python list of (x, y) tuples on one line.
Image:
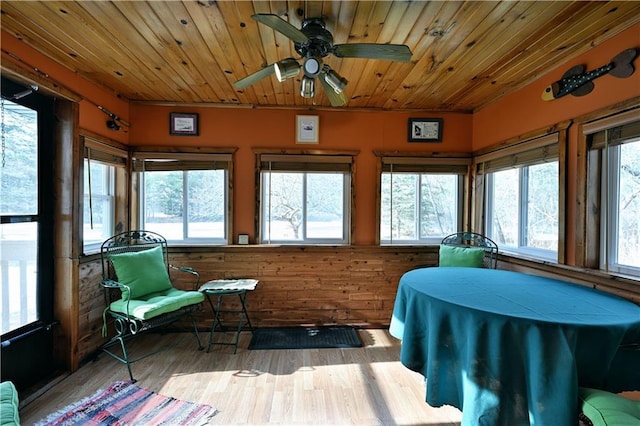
[(185, 205), (305, 201), (489, 182), (418, 208), (391, 206), (346, 212), (111, 191), (613, 206), (269, 206), (459, 200), (523, 207)]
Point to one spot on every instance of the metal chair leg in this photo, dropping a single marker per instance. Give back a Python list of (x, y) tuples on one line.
[(195, 329), (126, 357)]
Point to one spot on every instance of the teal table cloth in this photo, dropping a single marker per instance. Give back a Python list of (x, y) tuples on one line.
[(509, 348)]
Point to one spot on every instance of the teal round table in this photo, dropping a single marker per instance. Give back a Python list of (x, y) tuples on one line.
[(509, 348)]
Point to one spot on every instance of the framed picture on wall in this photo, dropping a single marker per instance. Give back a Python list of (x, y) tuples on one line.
[(425, 129), (307, 128), (183, 124)]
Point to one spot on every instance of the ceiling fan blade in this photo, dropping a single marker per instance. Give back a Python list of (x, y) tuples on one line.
[(336, 99), (391, 52), (282, 26), (255, 77)]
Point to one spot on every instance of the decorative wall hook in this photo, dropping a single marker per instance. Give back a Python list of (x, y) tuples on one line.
[(24, 93), (115, 122)]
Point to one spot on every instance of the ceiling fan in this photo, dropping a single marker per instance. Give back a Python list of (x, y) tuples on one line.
[(314, 42)]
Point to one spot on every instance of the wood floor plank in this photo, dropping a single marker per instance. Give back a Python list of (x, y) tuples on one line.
[(352, 386)]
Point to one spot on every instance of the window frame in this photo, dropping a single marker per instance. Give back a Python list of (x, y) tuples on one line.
[(424, 163), (186, 160), (523, 213), (535, 148), (596, 137), (303, 161), (118, 158)]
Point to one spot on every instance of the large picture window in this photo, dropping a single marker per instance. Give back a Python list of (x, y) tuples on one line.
[(421, 198), (613, 182), (305, 199), (185, 197), (522, 197)]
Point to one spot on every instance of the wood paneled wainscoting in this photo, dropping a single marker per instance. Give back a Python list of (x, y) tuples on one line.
[(319, 285)]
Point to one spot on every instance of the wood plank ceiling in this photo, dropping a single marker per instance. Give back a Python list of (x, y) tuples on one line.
[(466, 54)]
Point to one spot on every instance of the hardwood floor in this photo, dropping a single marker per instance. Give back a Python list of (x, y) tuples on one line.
[(356, 386)]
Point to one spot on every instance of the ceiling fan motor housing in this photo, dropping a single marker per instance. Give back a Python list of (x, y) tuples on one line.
[(320, 41)]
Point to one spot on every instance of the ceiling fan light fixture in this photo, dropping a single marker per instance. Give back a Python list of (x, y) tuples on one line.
[(312, 66), (334, 80), (286, 68), (307, 88)]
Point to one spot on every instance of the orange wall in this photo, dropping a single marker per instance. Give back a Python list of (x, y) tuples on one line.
[(524, 111), (91, 118), (271, 128)]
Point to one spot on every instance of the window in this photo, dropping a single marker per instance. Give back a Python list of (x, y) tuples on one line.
[(421, 198), (621, 226), (305, 199), (103, 165), (522, 197), (185, 197), (523, 207), (614, 153)]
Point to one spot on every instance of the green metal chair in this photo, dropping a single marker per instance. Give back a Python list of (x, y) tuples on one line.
[(138, 292), (465, 249)]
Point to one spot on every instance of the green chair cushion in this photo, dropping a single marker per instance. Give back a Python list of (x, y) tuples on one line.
[(461, 256), (143, 271), (154, 304), (608, 409), (9, 404)]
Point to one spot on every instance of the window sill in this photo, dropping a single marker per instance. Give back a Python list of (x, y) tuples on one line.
[(593, 277)]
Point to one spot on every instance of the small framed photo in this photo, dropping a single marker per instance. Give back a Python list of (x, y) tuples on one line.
[(425, 130), (183, 124), (307, 129)]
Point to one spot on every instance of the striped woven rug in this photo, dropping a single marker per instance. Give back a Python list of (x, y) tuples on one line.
[(124, 403)]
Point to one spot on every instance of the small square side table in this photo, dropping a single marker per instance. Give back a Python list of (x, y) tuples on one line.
[(229, 287)]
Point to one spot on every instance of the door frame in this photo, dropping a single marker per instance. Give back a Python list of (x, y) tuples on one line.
[(66, 158)]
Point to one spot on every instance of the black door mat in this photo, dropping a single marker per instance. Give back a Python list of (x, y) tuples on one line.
[(305, 338)]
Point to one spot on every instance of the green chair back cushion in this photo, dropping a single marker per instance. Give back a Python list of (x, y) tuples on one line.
[(143, 271), (461, 256), (154, 304), (9, 404), (608, 409)]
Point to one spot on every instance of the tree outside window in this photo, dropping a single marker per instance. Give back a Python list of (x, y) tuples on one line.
[(418, 207)]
